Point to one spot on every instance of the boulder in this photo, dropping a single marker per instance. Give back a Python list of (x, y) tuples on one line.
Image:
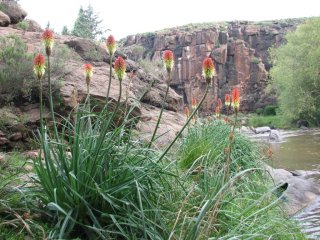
[(87, 49), (33, 26), (15, 136), (14, 11), (3, 141), (4, 19), (302, 124), (300, 192), (274, 136), (259, 130)]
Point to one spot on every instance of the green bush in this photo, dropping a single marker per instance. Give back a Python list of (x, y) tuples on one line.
[(23, 25), (255, 60), (16, 76), (259, 111), (270, 110)]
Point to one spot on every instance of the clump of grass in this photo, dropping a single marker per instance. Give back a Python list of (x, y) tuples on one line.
[(244, 206), (277, 121), (16, 220)]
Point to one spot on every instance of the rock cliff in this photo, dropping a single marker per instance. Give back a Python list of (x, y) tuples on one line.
[(240, 51)]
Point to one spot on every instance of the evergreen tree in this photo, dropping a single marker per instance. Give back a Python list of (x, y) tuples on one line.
[(88, 24), (65, 31)]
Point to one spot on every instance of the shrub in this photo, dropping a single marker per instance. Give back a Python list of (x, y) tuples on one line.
[(15, 79), (23, 25), (259, 111), (270, 110), (255, 60)]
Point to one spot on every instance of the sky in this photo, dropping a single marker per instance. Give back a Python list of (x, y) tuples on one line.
[(127, 17)]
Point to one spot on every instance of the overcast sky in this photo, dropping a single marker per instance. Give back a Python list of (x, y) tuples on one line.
[(125, 17)]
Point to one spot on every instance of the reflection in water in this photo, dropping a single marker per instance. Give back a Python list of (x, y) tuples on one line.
[(297, 152)]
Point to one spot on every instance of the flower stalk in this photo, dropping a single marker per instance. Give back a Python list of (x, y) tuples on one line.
[(111, 48), (168, 61)]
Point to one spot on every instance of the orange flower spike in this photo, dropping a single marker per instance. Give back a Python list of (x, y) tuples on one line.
[(48, 40), (208, 70), (194, 103), (111, 45), (39, 66), (120, 68), (168, 60), (227, 100), (88, 72), (186, 112), (219, 103), (235, 98), (217, 112)]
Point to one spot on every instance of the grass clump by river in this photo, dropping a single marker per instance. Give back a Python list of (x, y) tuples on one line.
[(244, 206)]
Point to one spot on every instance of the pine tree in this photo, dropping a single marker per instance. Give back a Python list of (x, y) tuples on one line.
[(65, 31), (88, 24)]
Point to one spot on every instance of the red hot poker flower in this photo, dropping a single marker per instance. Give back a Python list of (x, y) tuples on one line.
[(217, 112), (120, 68), (39, 66), (186, 112), (194, 103), (219, 103), (227, 100), (168, 60), (88, 72), (208, 70), (48, 40), (111, 45), (235, 98)]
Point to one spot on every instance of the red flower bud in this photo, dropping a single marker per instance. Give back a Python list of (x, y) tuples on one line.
[(39, 66), (111, 45), (168, 60), (186, 112), (194, 103), (235, 98), (217, 112), (227, 100), (219, 103), (48, 40), (120, 68), (208, 70), (88, 72)]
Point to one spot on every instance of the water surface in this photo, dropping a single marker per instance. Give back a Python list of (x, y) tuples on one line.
[(297, 151)]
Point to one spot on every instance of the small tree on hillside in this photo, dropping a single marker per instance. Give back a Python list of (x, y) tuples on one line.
[(88, 24), (65, 31)]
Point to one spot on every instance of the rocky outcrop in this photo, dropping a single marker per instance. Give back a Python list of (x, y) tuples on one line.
[(240, 51), (72, 87), (13, 10)]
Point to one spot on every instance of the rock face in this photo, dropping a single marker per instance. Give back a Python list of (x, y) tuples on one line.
[(13, 10), (72, 88), (240, 51)]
